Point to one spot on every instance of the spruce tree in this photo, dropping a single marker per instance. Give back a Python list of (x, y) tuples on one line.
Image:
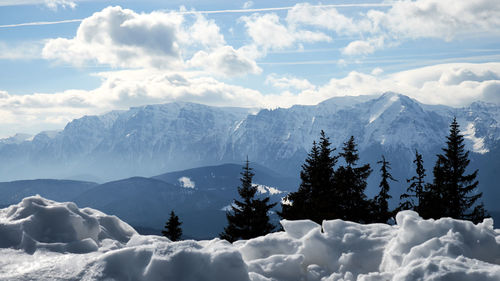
[(454, 191), (249, 217), (324, 191), (299, 204), (415, 191), (173, 229), (315, 197), (350, 182), (381, 211)]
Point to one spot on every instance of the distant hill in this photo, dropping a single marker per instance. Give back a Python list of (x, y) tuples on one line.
[(199, 200), (146, 203), (227, 176), (59, 190)]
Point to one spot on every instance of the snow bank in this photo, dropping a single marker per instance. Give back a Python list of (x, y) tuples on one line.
[(61, 227), (46, 240)]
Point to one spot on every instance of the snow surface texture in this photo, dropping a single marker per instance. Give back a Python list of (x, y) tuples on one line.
[(45, 240)]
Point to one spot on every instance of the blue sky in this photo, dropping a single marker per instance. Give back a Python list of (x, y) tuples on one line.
[(62, 59)]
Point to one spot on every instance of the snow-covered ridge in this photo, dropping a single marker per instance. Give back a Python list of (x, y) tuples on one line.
[(154, 139), (46, 240)]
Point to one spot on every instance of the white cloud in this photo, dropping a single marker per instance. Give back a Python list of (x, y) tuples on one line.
[(121, 38), (268, 32), (248, 4), (404, 20), (321, 16), (440, 18), (358, 47), (450, 84), (364, 47), (288, 82), (205, 32), (23, 51), (54, 4), (225, 61), (429, 85), (377, 71)]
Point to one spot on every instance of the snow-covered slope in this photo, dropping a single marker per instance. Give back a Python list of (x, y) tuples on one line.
[(151, 140), (46, 240), (154, 139)]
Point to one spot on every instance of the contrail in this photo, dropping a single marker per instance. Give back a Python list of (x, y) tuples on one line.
[(39, 23), (359, 5)]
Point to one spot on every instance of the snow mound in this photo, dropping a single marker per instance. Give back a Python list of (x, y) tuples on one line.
[(47, 240), (37, 222)]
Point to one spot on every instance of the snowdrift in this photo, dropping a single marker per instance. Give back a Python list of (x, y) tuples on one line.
[(45, 240)]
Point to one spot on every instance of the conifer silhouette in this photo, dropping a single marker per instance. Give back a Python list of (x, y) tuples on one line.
[(173, 229), (249, 217)]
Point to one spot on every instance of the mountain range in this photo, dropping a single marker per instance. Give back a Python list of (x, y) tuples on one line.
[(150, 140)]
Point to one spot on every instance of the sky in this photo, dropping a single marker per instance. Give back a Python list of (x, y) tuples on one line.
[(63, 59)]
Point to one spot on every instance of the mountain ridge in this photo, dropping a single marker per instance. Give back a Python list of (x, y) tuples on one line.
[(152, 139)]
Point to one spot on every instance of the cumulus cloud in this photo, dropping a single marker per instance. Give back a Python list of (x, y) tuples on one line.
[(268, 32), (121, 37), (205, 32)]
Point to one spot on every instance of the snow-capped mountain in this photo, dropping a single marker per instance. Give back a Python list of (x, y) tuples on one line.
[(149, 140)]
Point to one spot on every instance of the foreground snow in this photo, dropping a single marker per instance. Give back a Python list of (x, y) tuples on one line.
[(45, 240)]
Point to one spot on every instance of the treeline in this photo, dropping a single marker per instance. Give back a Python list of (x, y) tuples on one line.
[(333, 187), (330, 192)]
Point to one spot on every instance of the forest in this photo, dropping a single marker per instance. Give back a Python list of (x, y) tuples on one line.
[(333, 187)]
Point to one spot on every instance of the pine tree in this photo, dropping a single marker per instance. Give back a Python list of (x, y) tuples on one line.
[(350, 182), (454, 193), (173, 228), (323, 191), (381, 211), (248, 218), (316, 195), (299, 204), (415, 191)]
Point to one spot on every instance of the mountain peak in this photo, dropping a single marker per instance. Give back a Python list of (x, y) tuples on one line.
[(159, 138), (17, 138)]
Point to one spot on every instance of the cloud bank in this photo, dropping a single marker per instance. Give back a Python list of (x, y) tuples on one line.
[(450, 84), (183, 56)]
